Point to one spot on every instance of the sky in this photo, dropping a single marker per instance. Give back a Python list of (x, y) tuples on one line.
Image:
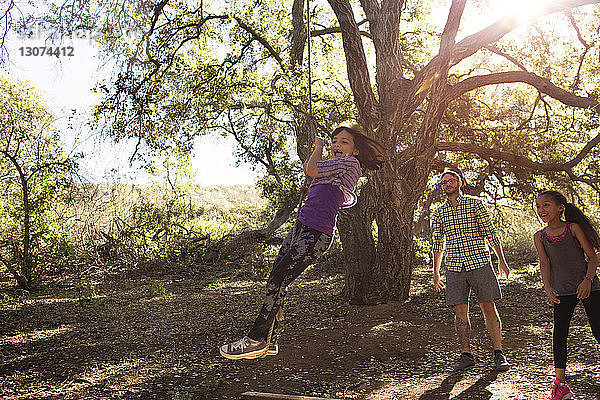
[(66, 84)]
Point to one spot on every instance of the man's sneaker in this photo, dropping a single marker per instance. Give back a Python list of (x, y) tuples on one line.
[(560, 391), (500, 362), (465, 361), (273, 349), (244, 348)]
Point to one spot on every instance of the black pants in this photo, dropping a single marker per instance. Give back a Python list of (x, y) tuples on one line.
[(293, 258), (563, 312)]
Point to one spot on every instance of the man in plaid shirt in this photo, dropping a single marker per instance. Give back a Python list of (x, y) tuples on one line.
[(465, 225)]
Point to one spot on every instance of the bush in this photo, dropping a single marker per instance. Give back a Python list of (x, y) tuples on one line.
[(516, 231), (423, 250)]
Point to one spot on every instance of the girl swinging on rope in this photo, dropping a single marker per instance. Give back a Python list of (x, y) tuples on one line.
[(332, 188)]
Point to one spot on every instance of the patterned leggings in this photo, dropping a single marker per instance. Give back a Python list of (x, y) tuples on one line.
[(293, 258), (563, 312)]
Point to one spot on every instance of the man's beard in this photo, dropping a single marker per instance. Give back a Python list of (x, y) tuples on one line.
[(452, 191)]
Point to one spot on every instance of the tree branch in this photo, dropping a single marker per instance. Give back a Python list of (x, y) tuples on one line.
[(543, 85), (521, 161), (437, 81), (491, 34), (336, 29), (585, 51), (269, 166), (356, 63), (63, 163), (535, 103), (472, 43), (510, 58), (569, 14), (298, 33), (166, 64), (262, 41)]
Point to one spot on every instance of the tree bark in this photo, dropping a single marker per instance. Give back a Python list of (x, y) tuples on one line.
[(380, 268), (399, 189), (356, 235), (298, 34)]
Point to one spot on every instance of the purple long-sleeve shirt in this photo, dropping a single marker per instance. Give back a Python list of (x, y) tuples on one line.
[(331, 190)]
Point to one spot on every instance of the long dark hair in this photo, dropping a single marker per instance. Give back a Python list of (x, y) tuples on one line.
[(574, 214), (371, 153)]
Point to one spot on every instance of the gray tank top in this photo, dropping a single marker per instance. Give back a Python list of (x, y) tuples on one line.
[(567, 262)]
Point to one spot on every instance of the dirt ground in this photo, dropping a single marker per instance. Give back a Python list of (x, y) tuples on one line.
[(157, 338)]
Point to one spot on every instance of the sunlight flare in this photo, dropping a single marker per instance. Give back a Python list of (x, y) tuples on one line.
[(523, 10)]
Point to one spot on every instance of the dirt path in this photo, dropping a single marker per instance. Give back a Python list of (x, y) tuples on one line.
[(158, 338)]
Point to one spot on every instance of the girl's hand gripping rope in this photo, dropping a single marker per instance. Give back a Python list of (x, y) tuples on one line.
[(310, 166), (319, 142)]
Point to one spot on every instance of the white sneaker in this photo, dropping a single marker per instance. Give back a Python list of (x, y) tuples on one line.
[(245, 348)]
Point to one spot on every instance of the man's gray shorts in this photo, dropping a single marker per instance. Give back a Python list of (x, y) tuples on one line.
[(482, 280)]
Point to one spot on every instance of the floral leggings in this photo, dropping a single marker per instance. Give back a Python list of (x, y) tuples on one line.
[(293, 258)]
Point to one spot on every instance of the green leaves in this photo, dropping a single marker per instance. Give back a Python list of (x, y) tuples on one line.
[(35, 173)]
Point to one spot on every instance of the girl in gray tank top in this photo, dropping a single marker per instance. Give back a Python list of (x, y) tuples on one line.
[(568, 266), (568, 261)]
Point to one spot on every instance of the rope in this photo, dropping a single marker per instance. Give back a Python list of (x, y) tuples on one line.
[(279, 318), (311, 124), (312, 128), (308, 57)]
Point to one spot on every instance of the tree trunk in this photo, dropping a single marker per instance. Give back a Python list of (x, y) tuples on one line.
[(24, 263), (380, 269), (246, 241), (27, 266), (399, 190), (356, 235)]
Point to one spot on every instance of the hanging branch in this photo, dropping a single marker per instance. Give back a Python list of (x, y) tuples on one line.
[(586, 47), (5, 26), (535, 103), (262, 41)]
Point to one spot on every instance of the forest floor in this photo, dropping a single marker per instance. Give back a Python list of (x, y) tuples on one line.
[(157, 337)]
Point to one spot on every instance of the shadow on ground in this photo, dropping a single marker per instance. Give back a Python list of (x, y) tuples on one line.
[(133, 341)]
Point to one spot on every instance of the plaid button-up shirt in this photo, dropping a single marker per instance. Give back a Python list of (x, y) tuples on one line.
[(465, 228)]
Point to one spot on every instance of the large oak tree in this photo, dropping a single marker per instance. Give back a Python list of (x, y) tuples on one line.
[(511, 101)]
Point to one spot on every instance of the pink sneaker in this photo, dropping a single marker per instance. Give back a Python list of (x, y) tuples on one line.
[(560, 391)]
